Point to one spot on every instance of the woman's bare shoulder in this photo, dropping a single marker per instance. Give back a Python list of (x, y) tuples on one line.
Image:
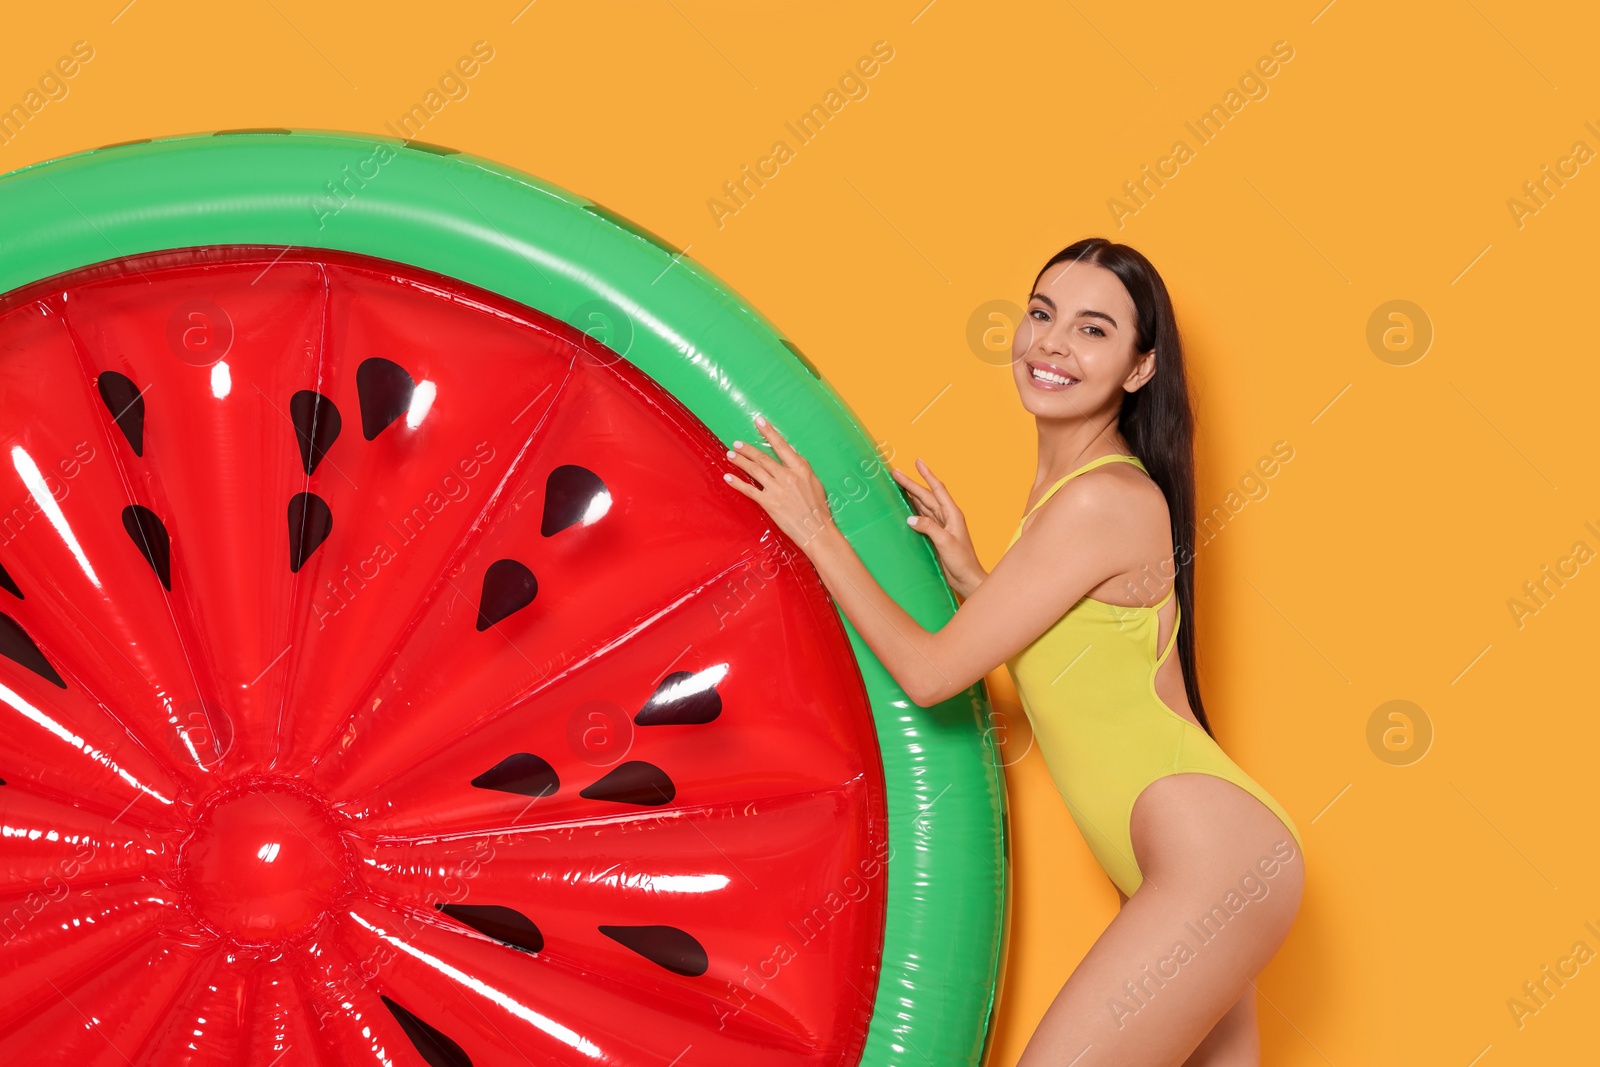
[(1113, 521), (1114, 499)]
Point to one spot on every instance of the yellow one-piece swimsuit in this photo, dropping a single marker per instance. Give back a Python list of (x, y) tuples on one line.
[(1088, 685)]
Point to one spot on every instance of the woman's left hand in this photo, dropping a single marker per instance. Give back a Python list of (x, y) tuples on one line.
[(785, 487)]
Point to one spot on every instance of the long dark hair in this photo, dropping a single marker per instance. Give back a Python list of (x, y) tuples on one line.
[(1157, 422)]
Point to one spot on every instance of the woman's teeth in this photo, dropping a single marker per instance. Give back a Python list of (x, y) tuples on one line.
[(1046, 376)]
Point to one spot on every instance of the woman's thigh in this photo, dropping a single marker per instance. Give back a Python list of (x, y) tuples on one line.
[(1181, 952)]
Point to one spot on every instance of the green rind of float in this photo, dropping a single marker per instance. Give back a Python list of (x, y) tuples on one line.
[(533, 242)]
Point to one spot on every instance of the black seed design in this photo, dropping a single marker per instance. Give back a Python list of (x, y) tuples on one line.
[(385, 390), (316, 426), (505, 925), (9, 585), (669, 705), (569, 493), (667, 946), (431, 149), (15, 644), (434, 1047), (508, 586), (794, 350), (310, 523), (633, 782), (123, 399), (634, 228), (149, 535), (522, 773)]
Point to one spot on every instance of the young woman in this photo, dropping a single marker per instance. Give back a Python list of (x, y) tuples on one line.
[(1084, 609)]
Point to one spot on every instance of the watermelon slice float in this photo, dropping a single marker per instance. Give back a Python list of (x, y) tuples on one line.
[(387, 674)]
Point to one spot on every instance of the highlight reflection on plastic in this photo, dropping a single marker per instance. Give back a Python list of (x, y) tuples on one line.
[(388, 676)]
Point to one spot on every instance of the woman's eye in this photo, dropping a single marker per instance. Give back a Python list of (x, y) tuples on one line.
[(1097, 330), (1039, 314)]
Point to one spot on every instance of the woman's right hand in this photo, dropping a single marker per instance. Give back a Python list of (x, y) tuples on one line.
[(942, 522)]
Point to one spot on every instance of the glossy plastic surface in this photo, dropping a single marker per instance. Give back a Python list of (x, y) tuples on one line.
[(545, 248), (409, 609)]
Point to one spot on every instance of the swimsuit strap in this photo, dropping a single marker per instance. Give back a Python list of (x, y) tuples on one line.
[(1172, 638), (1093, 463)]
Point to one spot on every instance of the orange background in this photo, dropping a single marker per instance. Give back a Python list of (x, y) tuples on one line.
[(1379, 561)]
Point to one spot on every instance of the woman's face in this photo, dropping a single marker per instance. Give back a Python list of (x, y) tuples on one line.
[(1079, 325)]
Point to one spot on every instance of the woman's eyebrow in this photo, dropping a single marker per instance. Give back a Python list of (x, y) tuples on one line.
[(1086, 311)]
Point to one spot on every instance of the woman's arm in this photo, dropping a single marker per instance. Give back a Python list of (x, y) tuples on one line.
[(1031, 587)]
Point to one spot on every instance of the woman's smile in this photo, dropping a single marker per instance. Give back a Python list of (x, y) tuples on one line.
[(1049, 376)]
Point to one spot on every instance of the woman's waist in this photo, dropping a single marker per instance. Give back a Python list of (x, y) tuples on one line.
[(1094, 728), (1101, 725), (1085, 657), (1062, 686)]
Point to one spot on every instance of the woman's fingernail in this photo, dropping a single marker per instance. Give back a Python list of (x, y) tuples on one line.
[(730, 453), (738, 444), (911, 520), (727, 477), (761, 420)]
